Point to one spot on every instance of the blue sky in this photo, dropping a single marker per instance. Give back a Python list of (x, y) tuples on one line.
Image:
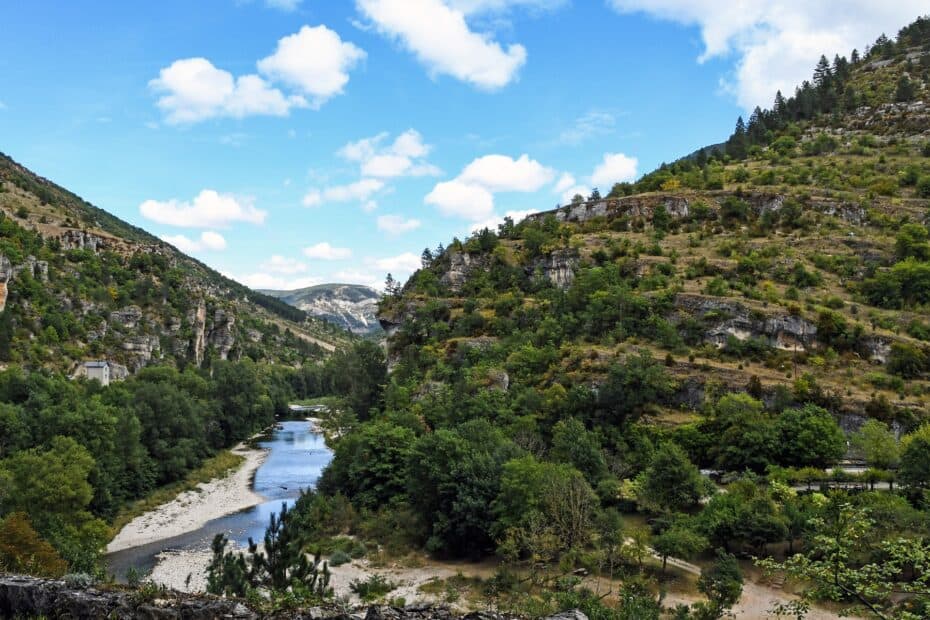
[(292, 142)]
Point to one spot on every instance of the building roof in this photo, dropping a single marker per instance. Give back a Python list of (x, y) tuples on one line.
[(96, 364)]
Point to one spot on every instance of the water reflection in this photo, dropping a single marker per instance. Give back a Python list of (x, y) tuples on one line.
[(295, 460)]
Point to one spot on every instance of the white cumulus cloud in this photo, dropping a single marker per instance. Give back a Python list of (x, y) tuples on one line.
[(500, 173), (441, 39), (324, 251), (192, 90), (459, 199), (209, 209), (565, 182), (777, 43), (615, 168), (315, 61), (405, 263), (360, 191), (403, 157), (208, 240), (471, 194), (397, 224)]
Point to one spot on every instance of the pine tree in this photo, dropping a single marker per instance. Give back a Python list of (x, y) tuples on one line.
[(736, 145), (280, 566), (282, 563), (426, 259), (391, 287), (780, 106), (701, 159), (755, 132), (822, 73)]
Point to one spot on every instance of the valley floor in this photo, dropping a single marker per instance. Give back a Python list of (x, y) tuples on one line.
[(425, 582), (191, 510)]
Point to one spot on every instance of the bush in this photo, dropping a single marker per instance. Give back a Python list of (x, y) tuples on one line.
[(339, 558), (884, 187), (906, 361), (373, 588), (923, 186)]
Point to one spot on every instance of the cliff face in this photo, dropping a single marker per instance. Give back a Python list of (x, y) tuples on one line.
[(681, 205)]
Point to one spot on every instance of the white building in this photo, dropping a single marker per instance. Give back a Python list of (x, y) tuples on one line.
[(99, 370)]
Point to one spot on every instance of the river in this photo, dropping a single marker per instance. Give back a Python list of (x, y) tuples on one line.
[(296, 457)]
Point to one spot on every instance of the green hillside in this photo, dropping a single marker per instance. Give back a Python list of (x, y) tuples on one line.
[(79, 283), (758, 310)]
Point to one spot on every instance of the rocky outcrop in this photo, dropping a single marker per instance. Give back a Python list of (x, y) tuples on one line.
[(82, 240), (97, 334), (128, 317), (498, 379), (558, 267), (140, 350), (37, 269), (118, 372), (875, 348), (910, 118), (222, 336), (198, 320), (31, 597), (681, 206), (790, 332), (6, 272), (461, 264), (730, 319)]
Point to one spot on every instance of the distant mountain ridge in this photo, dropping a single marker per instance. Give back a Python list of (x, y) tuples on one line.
[(351, 306)]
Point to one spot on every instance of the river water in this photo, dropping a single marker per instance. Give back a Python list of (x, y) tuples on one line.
[(296, 457)]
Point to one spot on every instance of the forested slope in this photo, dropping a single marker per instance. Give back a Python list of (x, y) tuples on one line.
[(758, 309)]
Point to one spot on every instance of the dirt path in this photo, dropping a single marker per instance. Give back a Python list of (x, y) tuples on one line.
[(756, 601)]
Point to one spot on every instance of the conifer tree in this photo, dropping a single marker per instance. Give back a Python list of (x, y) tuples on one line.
[(822, 73)]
